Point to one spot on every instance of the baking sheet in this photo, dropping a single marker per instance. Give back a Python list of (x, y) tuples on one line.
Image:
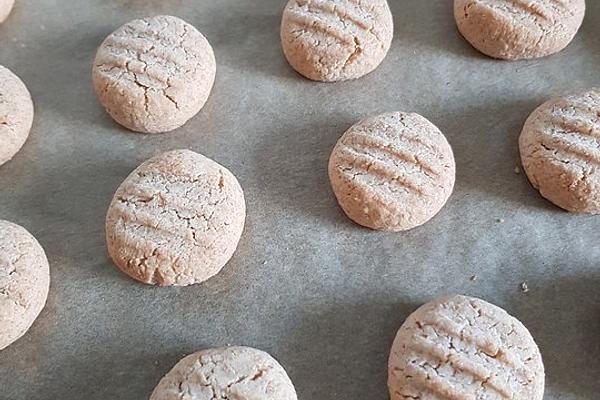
[(321, 294)]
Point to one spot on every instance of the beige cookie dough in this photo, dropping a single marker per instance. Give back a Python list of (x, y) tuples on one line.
[(152, 75), (519, 29), (176, 220), (5, 9), (239, 373), (560, 151), (16, 114), (392, 172), (463, 348), (336, 40), (24, 281)]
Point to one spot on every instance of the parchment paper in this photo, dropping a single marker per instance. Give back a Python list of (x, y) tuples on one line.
[(321, 294)]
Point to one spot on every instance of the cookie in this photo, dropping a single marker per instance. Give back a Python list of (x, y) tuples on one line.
[(519, 29), (16, 114), (176, 220), (336, 40), (5, 8), (463, 348), (240, 373), (152, 75), (560, 151), (392, 172), (24, 281)]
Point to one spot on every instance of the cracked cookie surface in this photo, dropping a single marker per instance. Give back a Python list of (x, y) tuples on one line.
[(234, 373), (152, 75), (16, 114), (5, 9), (336, 40), (463, 348), (519, 29), (392, 172), (24, 281), (560, 151), (176, 220)]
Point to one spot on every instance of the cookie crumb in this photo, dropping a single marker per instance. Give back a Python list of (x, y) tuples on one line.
[(524, 287), (517, 170), (474, 278)]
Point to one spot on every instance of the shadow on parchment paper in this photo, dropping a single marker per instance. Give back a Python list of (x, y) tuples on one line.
[(589, 32), (485, 141), (564, 318), (149, 7), (71, 199), (251, 42), (341, 351), (112, 372), (429, 24), (65, 82), (292, 167)]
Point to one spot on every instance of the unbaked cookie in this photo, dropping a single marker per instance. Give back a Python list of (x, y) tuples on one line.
[(16, 114), (239, 373), (560, 151), (336, 40), (153, 75), (464, 348), (24, 281), (5, 8), (176, 220), (392, 172), (519, 29)]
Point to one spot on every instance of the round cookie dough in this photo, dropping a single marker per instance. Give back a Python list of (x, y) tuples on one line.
[(24, 281), (392, 172), (176, 220), (519, 29), (464, 348), (152, 75), (336, 40), (239, 373), (560, 151), (16, 114), (5, 9)]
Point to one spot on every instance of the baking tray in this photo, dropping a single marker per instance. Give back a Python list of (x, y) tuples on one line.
[(321, 294)]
